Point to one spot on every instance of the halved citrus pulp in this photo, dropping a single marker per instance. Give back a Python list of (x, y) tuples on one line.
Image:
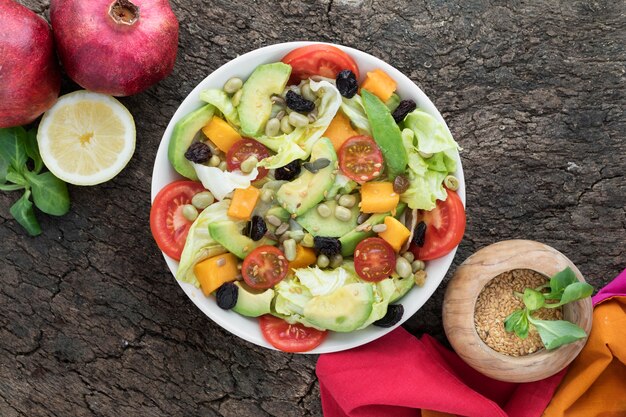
[(86, 138)]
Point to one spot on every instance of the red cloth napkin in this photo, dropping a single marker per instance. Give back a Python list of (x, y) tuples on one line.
[(398, 374)]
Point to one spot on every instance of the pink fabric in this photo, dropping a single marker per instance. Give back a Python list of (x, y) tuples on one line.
[(617, 287), (398, 374)]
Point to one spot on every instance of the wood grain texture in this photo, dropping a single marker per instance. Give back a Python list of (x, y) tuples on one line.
[(91, 321), (460, 302)]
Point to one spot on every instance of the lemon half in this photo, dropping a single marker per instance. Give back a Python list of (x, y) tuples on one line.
[(86, 138)]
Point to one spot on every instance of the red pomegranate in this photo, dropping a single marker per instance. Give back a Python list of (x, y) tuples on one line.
[(29, 74), (115, 47)]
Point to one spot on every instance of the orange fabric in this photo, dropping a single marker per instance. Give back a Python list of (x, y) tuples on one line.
[(595, 384)]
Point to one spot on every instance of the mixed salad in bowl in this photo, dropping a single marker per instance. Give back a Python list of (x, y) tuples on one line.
[(315, 196)]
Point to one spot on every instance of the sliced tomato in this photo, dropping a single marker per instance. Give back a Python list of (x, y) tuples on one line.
[(290, 337), (360, 159), (168, 225), (242, 150), (318, 59), (374, 259), (264, 267), (445, 225)]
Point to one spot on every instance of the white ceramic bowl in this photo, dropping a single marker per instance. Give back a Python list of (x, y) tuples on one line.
[(163, 174)]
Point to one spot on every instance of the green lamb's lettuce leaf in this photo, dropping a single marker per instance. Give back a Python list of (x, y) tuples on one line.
[(199, 244), (555, 333), (354, 110), (298, 144), (426, 185), (431, 134), (222, 101)]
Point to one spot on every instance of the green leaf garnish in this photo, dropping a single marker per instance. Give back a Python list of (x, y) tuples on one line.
[(564, 288), (17, 147)]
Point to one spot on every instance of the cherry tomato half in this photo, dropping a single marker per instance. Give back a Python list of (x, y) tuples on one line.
[(264, 267), (374, 259), (168, 225), (290, 337), (445, 225), (318, 59), (242, 150), (360, 159)]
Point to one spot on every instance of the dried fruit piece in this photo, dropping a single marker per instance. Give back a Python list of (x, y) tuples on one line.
[(347, 84), (298, 103), (405, 107), (419, 236), (328, 246), (227, 295), (256, 228), (394, 315), (401, 184), (288, 172), (198, 152)]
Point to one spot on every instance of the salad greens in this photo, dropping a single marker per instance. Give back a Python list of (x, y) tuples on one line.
[(20, 169), (564, 288), (306, 221)]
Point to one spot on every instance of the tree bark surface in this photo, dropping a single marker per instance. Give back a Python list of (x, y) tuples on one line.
[(92, 323)]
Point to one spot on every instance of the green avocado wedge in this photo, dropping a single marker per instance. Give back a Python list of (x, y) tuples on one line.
[(255, 105), (228, 234), (343, 310), (386, 134), (253, 303), (183, 134), (304, 192)]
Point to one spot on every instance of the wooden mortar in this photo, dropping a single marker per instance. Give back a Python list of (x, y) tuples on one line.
[(460, 301)]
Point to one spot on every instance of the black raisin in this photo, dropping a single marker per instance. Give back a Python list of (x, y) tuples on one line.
[(346, 83), (405, 107), (328, 246), (227, 295), (298, 103), (419, 235), (316, 165), (198, 152), (394, 315), (256, 228), (401, 184), (288, 172)]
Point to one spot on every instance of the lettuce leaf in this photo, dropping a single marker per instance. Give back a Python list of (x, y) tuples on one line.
[(426, 184), (199, 244), (221, 183), (354, 110), (298, 144), (222, 101), (432, 135)]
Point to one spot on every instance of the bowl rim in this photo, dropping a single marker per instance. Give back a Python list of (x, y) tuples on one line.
[(460, 301), (225, 319)]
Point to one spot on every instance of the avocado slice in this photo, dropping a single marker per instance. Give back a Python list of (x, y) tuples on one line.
[(299, 195), (183, 134), (402, 286), (328, 226), (343, 310), (386, 133), (228, 234), (251, 303), (255, 105), (352, 238)]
